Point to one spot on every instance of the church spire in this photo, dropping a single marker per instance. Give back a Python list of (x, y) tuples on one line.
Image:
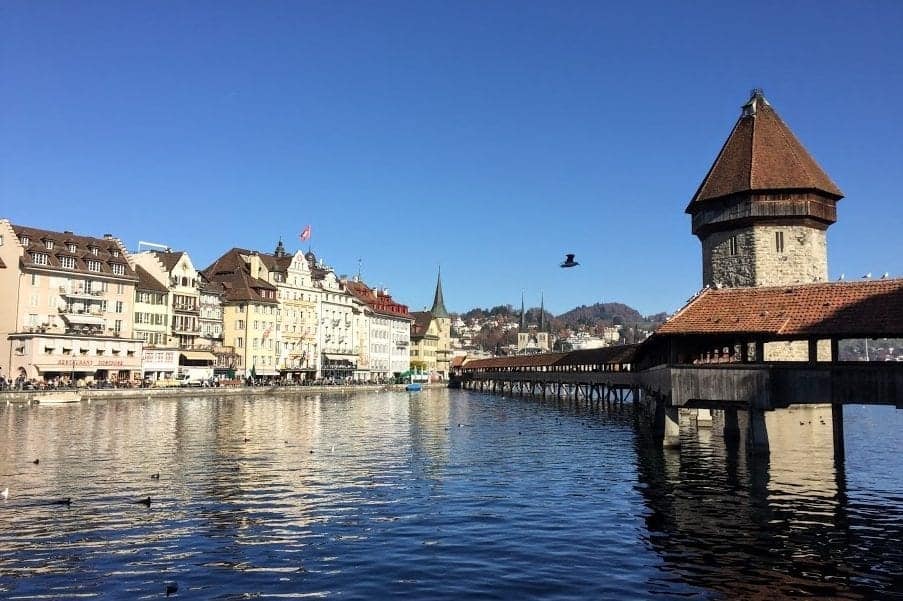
[(523, 314), (438, 309), (542, 312)]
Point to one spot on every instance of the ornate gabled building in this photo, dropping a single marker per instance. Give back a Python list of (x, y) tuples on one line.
[(431, 337), (762, 210), (66, 306)]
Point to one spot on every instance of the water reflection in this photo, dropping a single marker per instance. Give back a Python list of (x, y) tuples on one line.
[(777, 526), (439, 495)]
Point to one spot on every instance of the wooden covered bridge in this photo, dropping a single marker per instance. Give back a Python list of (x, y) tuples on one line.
[(740, 349)]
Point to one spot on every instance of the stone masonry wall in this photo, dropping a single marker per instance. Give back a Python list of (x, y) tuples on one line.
[(719, 266), (758, 262), (803, 261)]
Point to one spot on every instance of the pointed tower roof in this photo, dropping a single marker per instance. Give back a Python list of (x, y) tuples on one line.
[(542, 312), (438, 309), (523, 315), (761, 153)]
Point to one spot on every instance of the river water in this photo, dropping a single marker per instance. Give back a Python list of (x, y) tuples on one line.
[(437, 495)]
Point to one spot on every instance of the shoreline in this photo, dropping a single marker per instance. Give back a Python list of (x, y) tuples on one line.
[(91, 394)]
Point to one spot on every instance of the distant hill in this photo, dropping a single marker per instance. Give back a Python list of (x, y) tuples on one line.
[(588, 316)]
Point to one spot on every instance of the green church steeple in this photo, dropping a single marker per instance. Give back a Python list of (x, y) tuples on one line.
[(438, 309)]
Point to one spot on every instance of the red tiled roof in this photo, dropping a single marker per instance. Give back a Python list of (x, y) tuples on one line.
[(233, 274), (148, 282), (761, 153), (851, 309), (421, 323), (168, 258), (39, 240), (377, 300)]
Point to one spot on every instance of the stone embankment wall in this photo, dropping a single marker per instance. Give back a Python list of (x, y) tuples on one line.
[(27, 396)]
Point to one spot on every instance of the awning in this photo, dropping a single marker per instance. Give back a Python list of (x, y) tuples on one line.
[(84, 318), (348, 358), (198, 356)]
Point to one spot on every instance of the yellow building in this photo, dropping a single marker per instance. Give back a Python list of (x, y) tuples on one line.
[(431, 337), (250, 311)]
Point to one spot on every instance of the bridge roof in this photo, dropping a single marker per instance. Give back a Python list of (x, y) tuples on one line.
[(872, 308), (607, 355), (761, 153)]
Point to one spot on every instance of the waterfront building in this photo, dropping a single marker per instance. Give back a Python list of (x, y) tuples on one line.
[(763, 209), (66, 308), (250, 311), (159, 360), (177, 271), (389, 331), (299, 301), (338, 329), (431, 337)]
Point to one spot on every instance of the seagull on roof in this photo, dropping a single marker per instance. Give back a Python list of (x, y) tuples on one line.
[(569, 261), (885, 276), (867, 276)]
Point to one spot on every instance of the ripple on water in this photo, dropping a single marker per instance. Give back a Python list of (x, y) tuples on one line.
[(443, 495)]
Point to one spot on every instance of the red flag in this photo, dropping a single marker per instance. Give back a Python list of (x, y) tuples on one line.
[(305, 234)]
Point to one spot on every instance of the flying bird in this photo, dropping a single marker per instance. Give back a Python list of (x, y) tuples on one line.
[(569, 261)]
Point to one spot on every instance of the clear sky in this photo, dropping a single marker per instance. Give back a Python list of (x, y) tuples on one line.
[(488, 137)]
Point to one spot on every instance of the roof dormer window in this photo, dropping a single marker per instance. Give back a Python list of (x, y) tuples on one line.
[(93, 265), (48, 244), (118, 268), (114, 252), (39, 258), (93, 250), (24, 240), (71, 247)]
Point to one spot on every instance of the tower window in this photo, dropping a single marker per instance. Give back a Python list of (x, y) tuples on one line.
[(779, 241), (733, 245)]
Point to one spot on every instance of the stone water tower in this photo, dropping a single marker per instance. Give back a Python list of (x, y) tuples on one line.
[(764, 207)]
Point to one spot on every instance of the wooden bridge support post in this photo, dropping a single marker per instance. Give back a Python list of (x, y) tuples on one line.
[(837, 423), (667, 425), (757, 439), (731, 424)]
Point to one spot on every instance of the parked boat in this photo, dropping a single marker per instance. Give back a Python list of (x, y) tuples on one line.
[(57, 396)]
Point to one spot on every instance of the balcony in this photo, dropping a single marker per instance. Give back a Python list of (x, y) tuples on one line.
[(80, 293)]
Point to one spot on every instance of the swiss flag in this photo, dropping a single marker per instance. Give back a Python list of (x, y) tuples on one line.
[(305, 234)]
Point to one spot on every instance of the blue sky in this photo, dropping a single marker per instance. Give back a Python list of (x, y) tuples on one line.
[(488, 137)]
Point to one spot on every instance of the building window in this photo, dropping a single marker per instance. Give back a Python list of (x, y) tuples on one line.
[(779, 241), (118, 268), (119, 306), (24, 240), (239, 342), (34, 279), (115, 253), (72, 248), (67, 262), (93, 266), (39, 258), (117, 326), (93, 250), (733, 245), (48, 244)]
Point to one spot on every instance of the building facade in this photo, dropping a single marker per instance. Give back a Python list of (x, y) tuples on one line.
[(250, 312), (66, 310), (389, 331)]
